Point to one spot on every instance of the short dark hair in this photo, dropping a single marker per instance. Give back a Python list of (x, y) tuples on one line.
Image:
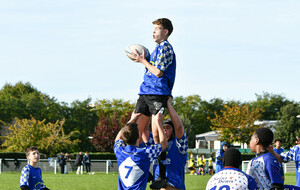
[(278, 140), (265, 136), (169, 122), (232, 157), (33, 148), (130, 133), (165, 23)]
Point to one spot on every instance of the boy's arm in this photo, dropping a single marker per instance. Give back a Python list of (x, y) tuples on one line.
[(24, 180), (151, 68), (270, 149), (179, 131)]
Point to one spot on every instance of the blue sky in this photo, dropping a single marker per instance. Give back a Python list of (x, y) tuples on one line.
[(229, 49)]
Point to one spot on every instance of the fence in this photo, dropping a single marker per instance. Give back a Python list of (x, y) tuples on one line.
[(287, 167), (50, 165)]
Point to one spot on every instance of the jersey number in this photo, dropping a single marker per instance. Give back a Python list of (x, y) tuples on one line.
[(129, 171), (224, 187)]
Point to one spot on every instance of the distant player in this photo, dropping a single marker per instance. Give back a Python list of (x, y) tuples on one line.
[(201, 161), (210, 165), (31, 175), (219, 156), (134, 162), (278, 149), (158, 83), (231, 178), (264, 168), (293, 154)]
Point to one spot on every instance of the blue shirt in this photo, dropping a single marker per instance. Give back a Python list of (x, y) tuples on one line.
[(175, 162), (265, 170), (134, 164), (32, 177), (219, 153), (293, 154), (231, 178), (163, 58)]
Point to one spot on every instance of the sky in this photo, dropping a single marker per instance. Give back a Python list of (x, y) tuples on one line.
[(228, 49)]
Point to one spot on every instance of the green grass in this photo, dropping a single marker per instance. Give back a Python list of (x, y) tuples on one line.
[(101, 181)]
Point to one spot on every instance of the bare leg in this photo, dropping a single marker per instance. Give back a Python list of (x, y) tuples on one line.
[(143, 125)]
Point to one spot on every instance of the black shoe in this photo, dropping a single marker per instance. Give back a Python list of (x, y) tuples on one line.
[(159, 183)]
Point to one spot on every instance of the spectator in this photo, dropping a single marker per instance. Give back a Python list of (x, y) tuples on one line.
[(68, 158), (62, 162), (78, 162), (87, 162)]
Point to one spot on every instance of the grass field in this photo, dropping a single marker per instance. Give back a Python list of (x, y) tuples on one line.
[(101, 181)]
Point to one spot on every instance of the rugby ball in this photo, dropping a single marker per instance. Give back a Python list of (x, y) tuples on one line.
[(129, 50)]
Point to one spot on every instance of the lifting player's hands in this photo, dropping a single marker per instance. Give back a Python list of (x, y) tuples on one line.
[(170, 99), (138, 57), (134, 117)]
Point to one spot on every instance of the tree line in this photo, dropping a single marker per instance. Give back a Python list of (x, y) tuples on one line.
[(30, 117)]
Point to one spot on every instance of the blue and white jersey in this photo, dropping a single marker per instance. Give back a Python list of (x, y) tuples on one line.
[(175, 162), (134, 164), (293, 154), (163, 58), (219, 153), (231, 178), (265, 170), (32, 177)]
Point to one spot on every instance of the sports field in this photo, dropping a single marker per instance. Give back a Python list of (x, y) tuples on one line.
[(101, 181)]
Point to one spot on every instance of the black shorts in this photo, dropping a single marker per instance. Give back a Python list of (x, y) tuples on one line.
[(151, 104), (210, 167)]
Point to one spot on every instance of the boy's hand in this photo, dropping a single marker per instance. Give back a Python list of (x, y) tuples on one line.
[(170, 99), (134, 116), (137, 57)]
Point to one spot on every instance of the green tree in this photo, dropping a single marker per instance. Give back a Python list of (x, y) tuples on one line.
[(289, 126), (48, 137), (23, 101), (236, 123), (81, 116), (271, 104)]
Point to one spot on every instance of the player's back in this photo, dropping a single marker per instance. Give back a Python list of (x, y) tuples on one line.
[(231, 178)]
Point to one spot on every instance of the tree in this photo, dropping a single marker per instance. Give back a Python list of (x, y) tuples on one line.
[(289, 126), (23, 101), (271, 104), (105, 133), (49, 138), (236, 123), (82, 117)]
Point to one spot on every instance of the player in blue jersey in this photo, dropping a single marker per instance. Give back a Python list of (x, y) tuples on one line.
[(278, 149), (219, 156), (230, 177), (134, 162), (264, 168), (176, 153), (293, 154), (31, 175), (158, 81)]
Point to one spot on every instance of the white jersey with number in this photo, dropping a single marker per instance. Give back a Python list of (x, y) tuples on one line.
[(231, 179)]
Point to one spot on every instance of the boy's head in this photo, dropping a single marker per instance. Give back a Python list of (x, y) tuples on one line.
[(224, 146), (278, 143), (169, 129), (130, 133), (32, 154), (262, 136), (162, 29), (232, 157)]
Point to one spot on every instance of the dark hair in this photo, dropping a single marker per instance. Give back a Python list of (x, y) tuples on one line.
[(232, 157), (278, 140), (130, 133), (165, 23), (265, 136), (33, 148)]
